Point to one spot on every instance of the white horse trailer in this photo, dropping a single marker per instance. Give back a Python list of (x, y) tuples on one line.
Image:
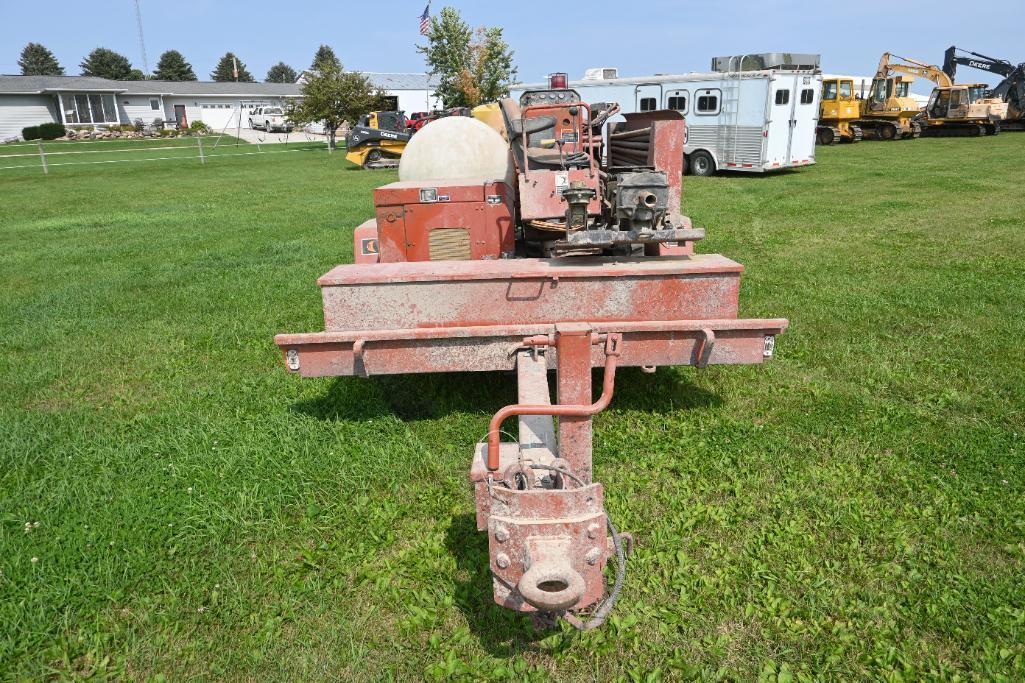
[(751, 121)]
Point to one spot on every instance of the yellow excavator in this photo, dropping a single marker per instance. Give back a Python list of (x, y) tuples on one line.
[(953, 109), (888, 112)]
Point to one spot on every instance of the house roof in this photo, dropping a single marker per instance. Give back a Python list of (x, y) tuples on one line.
[(394, 81), (44, 84), (397, 81)]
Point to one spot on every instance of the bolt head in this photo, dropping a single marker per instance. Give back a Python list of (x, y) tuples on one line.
[(592, 530), (501, 534), (593, 556), (502, 560)]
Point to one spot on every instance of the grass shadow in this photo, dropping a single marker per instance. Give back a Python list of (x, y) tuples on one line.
[(502, 632), (412, 398)]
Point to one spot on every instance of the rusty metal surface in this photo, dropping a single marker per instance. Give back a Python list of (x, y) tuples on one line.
[(522, 291), (484, 209), (486, 348), (544, 534)]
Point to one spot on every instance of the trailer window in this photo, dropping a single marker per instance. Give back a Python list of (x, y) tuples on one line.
[(782, 97), (648, 104), (807, 96), (708, 102), (678, 102)]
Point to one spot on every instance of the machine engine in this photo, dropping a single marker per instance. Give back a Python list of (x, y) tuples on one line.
[(559, 198)]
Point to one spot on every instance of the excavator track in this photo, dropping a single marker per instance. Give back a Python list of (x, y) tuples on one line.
[(827, 135), (873, 130), (959, 130), (857, 134)]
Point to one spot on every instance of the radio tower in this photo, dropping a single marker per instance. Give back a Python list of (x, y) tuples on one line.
[(142, 41)]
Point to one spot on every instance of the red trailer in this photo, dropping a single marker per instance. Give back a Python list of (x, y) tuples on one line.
[(567, 265)]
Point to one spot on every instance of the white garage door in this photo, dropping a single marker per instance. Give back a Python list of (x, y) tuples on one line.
[(219, 115)]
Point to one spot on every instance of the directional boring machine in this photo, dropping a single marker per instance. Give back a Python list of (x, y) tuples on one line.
[(515, 247)]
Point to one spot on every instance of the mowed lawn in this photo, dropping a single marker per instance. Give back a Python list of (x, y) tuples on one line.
[(174, 505)]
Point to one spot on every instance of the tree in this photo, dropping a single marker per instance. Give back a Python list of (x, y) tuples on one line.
[(325, 57), (105, 63), (473, 67), (281, 73), (333, 95), (173, 67), (225, 70), (37, 60)]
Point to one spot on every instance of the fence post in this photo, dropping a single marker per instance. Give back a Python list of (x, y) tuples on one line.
[(42, 155), (199, 139)]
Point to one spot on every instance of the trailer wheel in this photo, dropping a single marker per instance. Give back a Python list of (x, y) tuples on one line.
[(702, 164)]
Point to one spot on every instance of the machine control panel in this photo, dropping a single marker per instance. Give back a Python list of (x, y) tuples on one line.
[(534, 97)]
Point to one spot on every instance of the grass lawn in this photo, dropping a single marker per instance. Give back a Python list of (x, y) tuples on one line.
[(173, 504)]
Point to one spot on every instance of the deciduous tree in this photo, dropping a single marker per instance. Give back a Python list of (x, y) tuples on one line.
[(473, 67), (333, 95)]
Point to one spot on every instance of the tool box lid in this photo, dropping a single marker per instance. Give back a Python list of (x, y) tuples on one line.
[(436, 191)]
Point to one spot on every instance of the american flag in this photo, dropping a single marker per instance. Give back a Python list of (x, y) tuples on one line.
[(425, 21)]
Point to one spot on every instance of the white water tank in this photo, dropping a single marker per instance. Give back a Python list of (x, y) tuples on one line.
[(455, 148)]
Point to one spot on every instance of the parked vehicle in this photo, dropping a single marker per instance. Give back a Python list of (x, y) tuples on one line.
[(418, 120), (269, 119), (754, 113)]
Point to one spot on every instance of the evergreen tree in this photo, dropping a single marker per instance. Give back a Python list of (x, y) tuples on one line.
[(281, 73), (105, 63), (37, 60), (173, 67), (325, 57), (224, 70)]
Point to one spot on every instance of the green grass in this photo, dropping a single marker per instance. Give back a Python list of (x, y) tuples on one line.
[(852, 510)]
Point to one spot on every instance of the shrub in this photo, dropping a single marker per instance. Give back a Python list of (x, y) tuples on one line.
[(52, 131), (199, 127), (30, 133), (168, 133)]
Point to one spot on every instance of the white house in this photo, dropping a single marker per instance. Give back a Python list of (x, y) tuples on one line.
[(86, 100), (409, 92)]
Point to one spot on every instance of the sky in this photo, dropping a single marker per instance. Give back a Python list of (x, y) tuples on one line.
[(654, 36)]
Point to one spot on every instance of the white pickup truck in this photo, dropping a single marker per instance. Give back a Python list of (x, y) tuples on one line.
[(269, 119)]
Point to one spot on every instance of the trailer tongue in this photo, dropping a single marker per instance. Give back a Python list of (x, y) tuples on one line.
[(444, 283)]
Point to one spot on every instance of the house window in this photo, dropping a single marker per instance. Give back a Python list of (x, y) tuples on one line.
[(708, 102), (648, 104), (678, 102), (807, 96), (154, 104), (782, 97), (85, 108)]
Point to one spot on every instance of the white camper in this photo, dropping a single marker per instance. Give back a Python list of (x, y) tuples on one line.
[(750, 121)]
